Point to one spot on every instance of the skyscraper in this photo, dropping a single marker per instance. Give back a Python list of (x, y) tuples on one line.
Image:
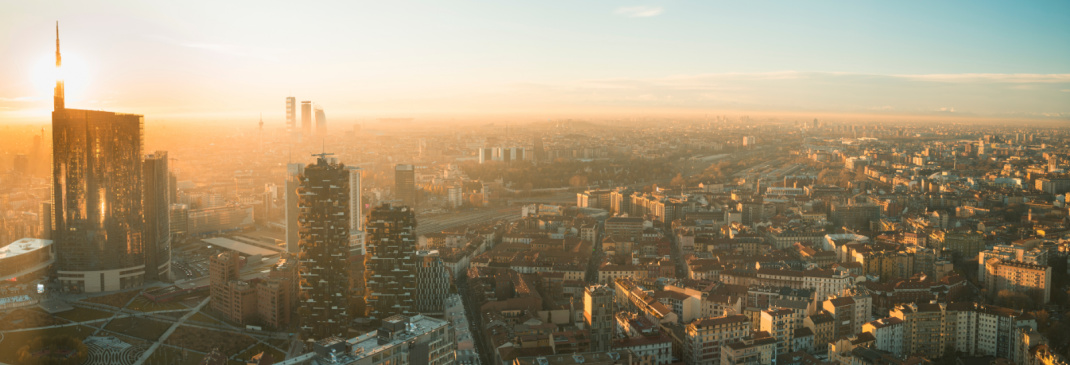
[(405, 185), (306, 118), (324, 239), (291, 113), (157, 217), (291, 210), (321, 122), (356, 212), (390, 262), (97, 196)]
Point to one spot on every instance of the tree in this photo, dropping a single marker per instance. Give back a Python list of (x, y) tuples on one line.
[(1013, 299)]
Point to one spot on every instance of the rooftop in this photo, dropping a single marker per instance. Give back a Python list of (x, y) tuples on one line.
[(22, 246)]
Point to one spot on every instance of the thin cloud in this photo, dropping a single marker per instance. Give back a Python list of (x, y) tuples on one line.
[(262, 53), (18, 99), (639, 11)]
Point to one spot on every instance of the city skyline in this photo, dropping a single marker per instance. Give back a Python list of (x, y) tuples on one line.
[(462, 207), (230, 63)]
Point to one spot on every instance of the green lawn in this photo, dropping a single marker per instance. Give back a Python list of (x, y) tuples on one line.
[(11, 342), (204, 318), (83, 314), (204, 340), (28, 318), (145, 305), (115, 300), (142, 328)]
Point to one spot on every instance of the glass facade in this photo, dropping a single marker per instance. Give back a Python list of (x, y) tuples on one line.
[(98, 218)]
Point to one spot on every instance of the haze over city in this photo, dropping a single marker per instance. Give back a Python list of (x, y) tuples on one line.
[(534, 183), (208, 61)]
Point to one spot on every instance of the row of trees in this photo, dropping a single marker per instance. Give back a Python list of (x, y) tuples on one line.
[(57, 350)]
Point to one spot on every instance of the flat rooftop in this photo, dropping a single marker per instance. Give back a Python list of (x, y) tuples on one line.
[(23, 245), (242, 247)]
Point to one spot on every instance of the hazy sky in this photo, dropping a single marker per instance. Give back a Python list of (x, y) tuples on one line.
[(228, 59)]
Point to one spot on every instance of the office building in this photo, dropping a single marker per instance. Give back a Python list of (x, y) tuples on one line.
[(179, 216), (399, 340), (291, 113), (26, 259), (405, 185), (356, 211), (98, 224), (218, 220), (390, 262), (306, 118), (599, 316), (321, 122), (291, 209), (432, 284), (45, 221), (157, 217), (323, 199)]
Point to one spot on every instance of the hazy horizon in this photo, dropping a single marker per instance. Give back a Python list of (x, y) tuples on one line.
[(202, 61)]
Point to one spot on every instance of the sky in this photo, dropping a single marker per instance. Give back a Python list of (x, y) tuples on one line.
[(359, 60)]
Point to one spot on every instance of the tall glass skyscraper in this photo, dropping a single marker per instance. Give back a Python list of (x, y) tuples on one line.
[(405, 185), (157, 217), (98, 219)]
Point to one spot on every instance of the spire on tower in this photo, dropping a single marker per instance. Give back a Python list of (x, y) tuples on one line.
[(57, 98)]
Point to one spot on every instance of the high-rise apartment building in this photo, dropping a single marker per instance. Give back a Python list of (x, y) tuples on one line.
[(291, 113), (405, 185), (599, 316), (323, 199), (321, 122), (157, 217), (98, 224), (290, 209), (222, 269), (277, 294), (1012, 276), (306, 118), (356, 211), (390, 262)]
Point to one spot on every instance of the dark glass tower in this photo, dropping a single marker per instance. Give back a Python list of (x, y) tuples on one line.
[(391, 262), (324, 240), (98, 219), (405, 184), (157, 217), (306, 118)]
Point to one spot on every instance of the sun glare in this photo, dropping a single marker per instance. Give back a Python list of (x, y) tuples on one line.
[(74, 73)]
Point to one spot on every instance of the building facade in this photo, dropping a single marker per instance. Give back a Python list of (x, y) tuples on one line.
[(323, 196), (391, 263)]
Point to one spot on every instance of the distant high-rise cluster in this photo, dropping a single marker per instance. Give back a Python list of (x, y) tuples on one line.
[(306, 118), (291, 113)]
